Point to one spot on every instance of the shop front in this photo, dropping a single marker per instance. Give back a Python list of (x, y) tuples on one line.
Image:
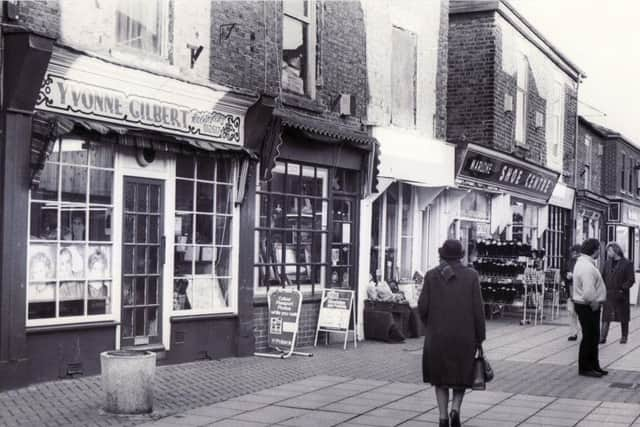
[(623, 227), (312, 176), (557, 235), (591, 215), (503, 219), (134, 217), (403, 222)]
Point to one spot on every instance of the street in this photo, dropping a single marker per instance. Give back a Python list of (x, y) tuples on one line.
[(536, 383)]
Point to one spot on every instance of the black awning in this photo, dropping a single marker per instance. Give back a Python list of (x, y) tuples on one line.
[(48, 127)]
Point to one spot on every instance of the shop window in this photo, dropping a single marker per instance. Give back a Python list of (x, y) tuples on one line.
[(555, 237), (521, 100), (70, 241), (403, 75), (292, 228), (555, 123), (476, 205), (203, 240), (298, 47), (524, 222), (394, 212), (142, 25)]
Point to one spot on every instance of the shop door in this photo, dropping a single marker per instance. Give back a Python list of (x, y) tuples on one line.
[(142, 262)]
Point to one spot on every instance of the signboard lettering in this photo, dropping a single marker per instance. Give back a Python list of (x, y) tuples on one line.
[(60, 94), (480, 167), (284, 315), (335, 312)]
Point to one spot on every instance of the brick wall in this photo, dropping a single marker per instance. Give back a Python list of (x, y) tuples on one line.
[(612, 169), (610, 173), (442, 72), (40, 16), (306, 330), (470, 81)]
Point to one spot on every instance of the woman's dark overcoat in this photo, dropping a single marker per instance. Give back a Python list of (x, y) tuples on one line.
[(619, 278), (452, 311)]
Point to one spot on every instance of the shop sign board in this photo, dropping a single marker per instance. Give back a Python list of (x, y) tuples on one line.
[(480, 165), (336, 307), (284, 317), (83, 99)]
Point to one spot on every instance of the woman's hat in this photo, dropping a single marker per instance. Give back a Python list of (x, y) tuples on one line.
[(451, 250)]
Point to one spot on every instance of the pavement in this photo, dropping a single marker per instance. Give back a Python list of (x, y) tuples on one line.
[(377, 384)]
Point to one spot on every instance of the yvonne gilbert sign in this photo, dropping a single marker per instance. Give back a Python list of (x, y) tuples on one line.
[(482, 166), (59, 94)]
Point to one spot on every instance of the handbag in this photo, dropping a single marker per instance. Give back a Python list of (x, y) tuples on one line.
[(482, 371)]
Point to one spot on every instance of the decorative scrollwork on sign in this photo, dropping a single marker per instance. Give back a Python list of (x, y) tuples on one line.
[(231, 129), (45, 91)]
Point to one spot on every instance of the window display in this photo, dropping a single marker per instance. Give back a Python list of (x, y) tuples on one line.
[(70, 243), (202, 238), (524, 222)]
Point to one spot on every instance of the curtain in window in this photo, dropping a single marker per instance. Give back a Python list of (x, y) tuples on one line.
[(138, 24)]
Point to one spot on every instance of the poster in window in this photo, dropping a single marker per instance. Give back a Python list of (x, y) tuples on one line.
[(42, 263)]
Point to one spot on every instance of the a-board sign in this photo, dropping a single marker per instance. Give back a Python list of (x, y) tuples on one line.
[(335, 309), (284, 316)]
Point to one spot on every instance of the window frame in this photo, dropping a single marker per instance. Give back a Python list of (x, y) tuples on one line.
[(588, 146), (310, 49), (623, 174), (319, 171), (233, 242), (164, 9), (414, 79), (87, 206)]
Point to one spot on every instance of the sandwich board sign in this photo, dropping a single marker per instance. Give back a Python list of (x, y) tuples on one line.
[(284, 306), (336, 308)]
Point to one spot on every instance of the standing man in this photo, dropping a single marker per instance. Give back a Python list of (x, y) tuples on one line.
[(619, 277), (589, 293), (574, 252)]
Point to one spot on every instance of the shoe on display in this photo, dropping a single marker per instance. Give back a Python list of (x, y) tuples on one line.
[(592, 374), (623, 340), (454, 416), (573, 338)]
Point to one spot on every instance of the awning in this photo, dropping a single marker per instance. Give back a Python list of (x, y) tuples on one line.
[(412, 158), (47, 127), (562, 196)]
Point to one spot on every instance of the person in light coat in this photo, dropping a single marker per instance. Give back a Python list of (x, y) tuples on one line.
[(589, 293)]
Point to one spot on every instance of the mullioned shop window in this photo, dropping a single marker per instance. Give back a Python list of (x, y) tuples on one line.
[(203, 234), (70, 240)]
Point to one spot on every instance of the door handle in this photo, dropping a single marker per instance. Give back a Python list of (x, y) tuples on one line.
[(163, 245)]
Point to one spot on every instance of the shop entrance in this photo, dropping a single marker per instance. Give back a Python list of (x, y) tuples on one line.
[(142, 262)]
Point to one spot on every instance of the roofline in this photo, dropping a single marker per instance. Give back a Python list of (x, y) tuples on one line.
[(611, 134), (494, 5)]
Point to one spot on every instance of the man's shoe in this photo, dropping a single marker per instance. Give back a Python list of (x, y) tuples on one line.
[(592, 374), (572, 338), (444, 423), (623, 340), (454, 417), (601, 371), (603, 340)]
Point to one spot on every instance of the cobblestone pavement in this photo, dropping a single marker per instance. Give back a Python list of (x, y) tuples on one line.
[(529, 361)]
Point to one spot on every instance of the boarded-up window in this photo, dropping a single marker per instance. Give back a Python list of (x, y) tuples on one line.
[(403, 77)]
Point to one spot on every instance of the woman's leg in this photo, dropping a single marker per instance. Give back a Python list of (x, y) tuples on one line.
[(442, 397), (604, 331), (456, 402)]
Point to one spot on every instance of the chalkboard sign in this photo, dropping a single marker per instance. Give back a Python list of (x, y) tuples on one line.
[(336, 307)]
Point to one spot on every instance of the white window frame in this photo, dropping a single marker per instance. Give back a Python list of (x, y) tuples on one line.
[(414, 81), (522, 81), (115, 252), (323, 173), (310, 21), (234, 242), (163, 9)]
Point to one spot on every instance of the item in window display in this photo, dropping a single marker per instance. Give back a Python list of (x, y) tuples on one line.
[(345, 278), (71, 290), (76, 231), (98, 290), (41, 266), (42, 291), (335, 256), (334, 277), (70, 262), (98, 263), (180, 298)]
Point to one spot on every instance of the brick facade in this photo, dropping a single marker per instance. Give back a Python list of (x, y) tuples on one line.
[(442, 72), (482, 79), (597, 159)]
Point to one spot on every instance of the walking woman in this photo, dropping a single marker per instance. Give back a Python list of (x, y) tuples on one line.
[(618, 277), (451, 308)]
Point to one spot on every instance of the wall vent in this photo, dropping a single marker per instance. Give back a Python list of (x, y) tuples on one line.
[(178, 337)]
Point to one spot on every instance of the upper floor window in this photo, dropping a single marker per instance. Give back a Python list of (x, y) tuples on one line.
[(623, 172), (142, 25), (521, 100), (555, 122), (403, 75), (587, 162), (298, 47), (637, 173), (631, 190)]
